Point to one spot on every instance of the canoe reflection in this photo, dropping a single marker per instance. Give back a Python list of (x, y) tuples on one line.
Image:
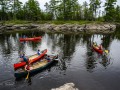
[(93, 61)]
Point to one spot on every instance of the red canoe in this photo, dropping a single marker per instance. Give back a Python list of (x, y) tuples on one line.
[(32, 59), (96, 48), (30, 39)]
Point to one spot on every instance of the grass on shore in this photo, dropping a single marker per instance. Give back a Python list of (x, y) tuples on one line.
[(51, 22)]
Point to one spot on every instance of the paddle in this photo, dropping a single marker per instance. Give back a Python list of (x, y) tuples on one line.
[(58, 52), (27, 75), (26, 68), (106, 51)]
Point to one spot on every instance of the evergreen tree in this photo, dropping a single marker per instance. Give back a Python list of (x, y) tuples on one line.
[(94, 6), (85, 10), (117, 14), (16, 7), (4, 6), (32, 10), (110, 10)]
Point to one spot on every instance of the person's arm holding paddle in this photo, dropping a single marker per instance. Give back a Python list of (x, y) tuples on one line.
[(27, 68)]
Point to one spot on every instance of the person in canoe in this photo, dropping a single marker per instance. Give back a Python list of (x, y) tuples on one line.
[(94, 43), (47, 58), (38, 52), (24, 58), (100, 47), (97, 47), (21, 55), (28, 67)]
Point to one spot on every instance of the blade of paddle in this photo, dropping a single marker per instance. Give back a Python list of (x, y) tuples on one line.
[(27, 75), (106, 51)]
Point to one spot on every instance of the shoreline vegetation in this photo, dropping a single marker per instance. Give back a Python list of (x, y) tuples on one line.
[(60, 16), (56, 22), (59, 26)]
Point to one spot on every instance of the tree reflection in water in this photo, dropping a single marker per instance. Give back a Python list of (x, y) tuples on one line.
[(29, 81), (62, 64), (92, 60), (95, 59), (90, 64), (105, 61)]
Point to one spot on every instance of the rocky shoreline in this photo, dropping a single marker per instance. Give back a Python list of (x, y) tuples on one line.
[(75, 28)]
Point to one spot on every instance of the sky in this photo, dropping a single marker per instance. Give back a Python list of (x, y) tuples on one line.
[(42, 2)]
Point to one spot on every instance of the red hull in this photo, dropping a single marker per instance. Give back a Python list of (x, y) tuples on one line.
[(21, 64), (30, 39), (97, 50)]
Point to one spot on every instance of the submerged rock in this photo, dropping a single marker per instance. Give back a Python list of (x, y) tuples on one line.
[(67, 86)]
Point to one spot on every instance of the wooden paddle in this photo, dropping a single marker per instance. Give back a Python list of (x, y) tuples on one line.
[(27, 71), (27, 75)]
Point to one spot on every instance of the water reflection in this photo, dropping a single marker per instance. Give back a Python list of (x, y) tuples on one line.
[(75, 52), (94, 58), (29, 81), (54, 42), (105, 61), (90, 64), (62, 65)]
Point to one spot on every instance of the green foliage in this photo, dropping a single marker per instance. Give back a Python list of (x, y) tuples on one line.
[(59, 11), (57, 22), (94, 5), (18, 22), (85, 10), (4, 7), (117, 14), (32, 10), (46, 16), (110, 10)]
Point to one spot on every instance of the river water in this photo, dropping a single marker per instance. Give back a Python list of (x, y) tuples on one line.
[(78, 64)]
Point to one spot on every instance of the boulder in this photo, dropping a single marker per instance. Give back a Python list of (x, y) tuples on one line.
[(67, 86)]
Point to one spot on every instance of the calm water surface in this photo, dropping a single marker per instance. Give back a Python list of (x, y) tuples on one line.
[(79, 63)]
